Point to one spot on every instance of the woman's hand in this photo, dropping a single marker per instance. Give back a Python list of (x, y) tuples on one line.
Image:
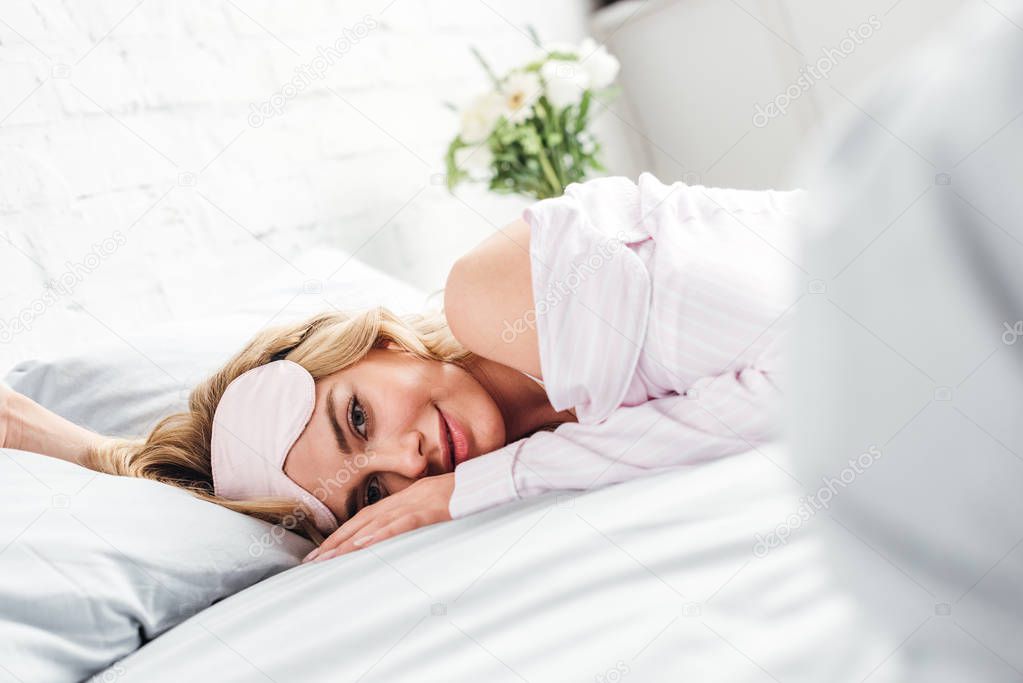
[(6, 419), (423, 502)]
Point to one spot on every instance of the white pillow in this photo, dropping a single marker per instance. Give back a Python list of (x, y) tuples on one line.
[(124, 385), (92, 566)]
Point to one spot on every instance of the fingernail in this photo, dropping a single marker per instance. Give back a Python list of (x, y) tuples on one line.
[(311, 555), (362, 541), (325, 556)]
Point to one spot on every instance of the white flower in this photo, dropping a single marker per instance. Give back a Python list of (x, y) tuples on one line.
[(521, 89), (587, 143), (480, 117), (475, 161), (565, 81), (599, 64)]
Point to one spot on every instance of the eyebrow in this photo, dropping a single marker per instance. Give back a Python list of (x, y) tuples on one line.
[(342, 443)]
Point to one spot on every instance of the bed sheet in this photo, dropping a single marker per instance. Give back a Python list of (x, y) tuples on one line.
[(662, 578)]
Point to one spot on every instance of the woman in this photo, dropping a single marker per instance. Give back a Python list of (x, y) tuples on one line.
[(621, 329)]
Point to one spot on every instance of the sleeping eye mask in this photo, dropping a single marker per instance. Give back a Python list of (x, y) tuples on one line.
[(259, 418)]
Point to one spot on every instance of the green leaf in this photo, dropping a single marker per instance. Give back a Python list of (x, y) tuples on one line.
[(486, 67), (534, 35), (584, 107)]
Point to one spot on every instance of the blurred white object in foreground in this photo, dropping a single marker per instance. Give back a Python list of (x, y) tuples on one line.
[(908, 344)]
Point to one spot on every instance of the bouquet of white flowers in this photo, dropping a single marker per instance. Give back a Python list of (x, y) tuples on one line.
[(528, 134)]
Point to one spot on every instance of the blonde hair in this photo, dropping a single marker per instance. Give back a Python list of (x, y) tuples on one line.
[(177, 451)]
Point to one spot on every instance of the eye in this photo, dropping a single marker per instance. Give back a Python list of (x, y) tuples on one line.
[(357, 417), (374, 492)]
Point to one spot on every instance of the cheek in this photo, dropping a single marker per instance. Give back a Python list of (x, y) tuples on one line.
[(448, 384), (489, 430), (479, 411), (312, 464)]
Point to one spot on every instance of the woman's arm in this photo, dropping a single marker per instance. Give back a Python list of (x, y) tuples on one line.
[(25, 425), (720, 416), (488, 300)]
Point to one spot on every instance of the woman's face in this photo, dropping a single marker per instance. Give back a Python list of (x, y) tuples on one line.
[(385, 422)]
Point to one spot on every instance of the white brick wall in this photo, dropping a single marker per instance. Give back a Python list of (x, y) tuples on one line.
[(109, 110)]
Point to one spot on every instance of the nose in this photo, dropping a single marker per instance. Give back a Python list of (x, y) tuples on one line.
[(401, 456)]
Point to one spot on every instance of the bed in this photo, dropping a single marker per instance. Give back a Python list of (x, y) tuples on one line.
[(650, 580), (663, 578)]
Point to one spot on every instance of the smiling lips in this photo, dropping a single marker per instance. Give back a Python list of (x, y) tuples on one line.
[(453, 442), (447, 448)]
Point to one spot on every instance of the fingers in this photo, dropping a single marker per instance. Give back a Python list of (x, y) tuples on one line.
[(362, 519), (395, 528), (373, 535), (423, 502), (366, 536)]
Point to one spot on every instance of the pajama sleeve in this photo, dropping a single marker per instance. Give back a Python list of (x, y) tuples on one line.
[(719, 416)]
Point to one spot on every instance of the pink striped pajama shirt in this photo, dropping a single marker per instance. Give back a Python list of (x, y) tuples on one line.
[(660, 312)]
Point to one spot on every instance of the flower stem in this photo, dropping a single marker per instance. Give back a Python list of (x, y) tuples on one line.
[(549, 173)]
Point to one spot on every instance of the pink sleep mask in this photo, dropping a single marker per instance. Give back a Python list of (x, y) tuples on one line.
[(259, 418)]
